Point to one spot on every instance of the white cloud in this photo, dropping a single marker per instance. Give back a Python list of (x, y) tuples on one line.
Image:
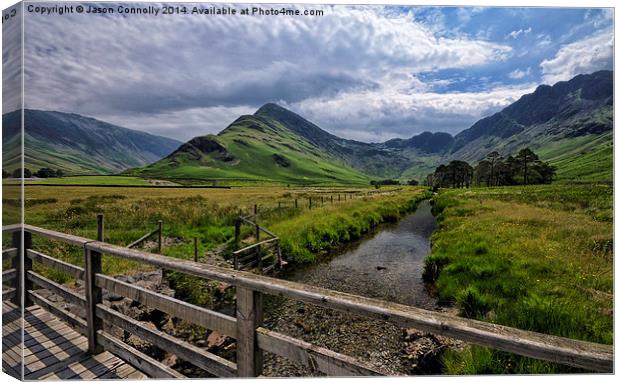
[(376, 115), (162, 75), (518, 74), (543, 40), (590, 54), (516, 33)]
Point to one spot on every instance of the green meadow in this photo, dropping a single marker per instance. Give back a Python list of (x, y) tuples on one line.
[(538, 258)]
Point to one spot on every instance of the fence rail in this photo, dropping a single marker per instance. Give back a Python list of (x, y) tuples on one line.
[(254, 252), (245, 327)]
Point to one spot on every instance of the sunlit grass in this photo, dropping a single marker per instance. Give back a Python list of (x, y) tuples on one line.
[(537, 258)]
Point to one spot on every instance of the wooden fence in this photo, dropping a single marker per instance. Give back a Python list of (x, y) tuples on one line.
[(254, 254), (245, 327)]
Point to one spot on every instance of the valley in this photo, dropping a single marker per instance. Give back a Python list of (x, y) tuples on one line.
[(569, 123)]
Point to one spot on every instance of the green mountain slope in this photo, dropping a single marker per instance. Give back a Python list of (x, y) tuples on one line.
[(569, 124), (78, 144), (255, 148)]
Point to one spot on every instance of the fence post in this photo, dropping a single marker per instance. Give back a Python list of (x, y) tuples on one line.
[(16, 263), (321, 200), (249, 317), (160, 239), (279, 255), (22, 284), (295, 203), (237, 232), (279, 204), (310, 203), (195, 249), (332, 199), (92, 261)]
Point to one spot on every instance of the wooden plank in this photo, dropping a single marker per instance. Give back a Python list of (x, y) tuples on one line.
[(140, 240), (71, 319), (35, 371), (570, 352), (9, 253), (68, 348), (587, 355), (37, 347), (206, 318), (273, 235), (101, 364), (140, 361), (9, 294), (11, 228), (59, 265), (66, 238), (210, 362), (255, 245), (9, 275), (249, 317), (61, 290)]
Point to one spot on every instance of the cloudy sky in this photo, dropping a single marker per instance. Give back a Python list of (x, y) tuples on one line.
[(369, 73)]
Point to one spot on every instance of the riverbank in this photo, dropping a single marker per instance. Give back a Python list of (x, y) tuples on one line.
[(536, 258), (307, 237), (386, 264)]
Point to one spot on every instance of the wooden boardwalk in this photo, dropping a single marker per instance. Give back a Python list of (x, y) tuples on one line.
[(53, 350)]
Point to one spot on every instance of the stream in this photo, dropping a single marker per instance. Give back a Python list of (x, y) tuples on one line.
[(387, 264)]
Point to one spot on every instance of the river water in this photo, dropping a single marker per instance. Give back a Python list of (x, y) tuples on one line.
[(387, 264)]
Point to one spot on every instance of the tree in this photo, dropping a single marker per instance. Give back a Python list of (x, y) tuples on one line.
[(413, 182), (5, 174), (526, 159), (45, 172), (18, 173), (482, 173), (493, 158), (59, 173)]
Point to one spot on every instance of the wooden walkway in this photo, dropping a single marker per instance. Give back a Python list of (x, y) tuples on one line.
[(53, 350)]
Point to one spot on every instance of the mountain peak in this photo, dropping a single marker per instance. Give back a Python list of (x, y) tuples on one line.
[(271, 109)]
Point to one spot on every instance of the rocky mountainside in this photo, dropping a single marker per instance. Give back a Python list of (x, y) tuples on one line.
[(78, 144)]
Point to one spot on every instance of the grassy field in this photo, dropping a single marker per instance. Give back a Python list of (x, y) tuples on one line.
[(537, 258), (587, 158), (209, 215), (97, 180)]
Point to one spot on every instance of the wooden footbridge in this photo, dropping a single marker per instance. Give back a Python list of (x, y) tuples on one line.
[(57, 343)]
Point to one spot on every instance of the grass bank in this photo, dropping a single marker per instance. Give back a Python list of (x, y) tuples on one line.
[(537, 258), (209, 214), (306, 236)]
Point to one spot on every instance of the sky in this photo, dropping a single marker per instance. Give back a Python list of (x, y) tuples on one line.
[(369, 73)]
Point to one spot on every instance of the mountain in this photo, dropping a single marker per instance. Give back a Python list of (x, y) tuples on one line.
[(78, 144), (273, 144), (568, 124)]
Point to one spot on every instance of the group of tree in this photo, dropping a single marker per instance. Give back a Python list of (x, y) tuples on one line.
[(391, 182), (45, 172), (494, 170), (455, 174)]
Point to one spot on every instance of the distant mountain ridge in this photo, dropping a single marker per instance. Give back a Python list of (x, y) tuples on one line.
[(569, 124), (78, 144), (581, 106), (549, 120)]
